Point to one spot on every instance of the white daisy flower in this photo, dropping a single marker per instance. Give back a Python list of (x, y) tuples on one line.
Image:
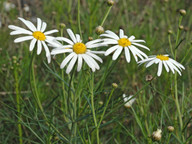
[(129, 100), (78, 52), (123, 42), (168, 63), (35, 34)]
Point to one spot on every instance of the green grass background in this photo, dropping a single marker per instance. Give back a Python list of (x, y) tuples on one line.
[(155, 106)]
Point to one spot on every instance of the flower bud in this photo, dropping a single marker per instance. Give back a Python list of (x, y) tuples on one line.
[(114, 85), (181, 27), (14, 57), (62, 25), (90, 38), (170, 32), (170, 128), (182, 12), (110, 2), (157, 135), (99, 30), (101, 102)]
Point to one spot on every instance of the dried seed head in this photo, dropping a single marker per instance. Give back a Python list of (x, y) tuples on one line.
[(170, 128), (110, 2), (99, 30), (148, 77), (170, 32), (157, 135), (114, 85), (182, 12), (181, 27)]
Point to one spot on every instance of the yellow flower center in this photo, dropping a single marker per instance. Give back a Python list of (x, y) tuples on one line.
[(79, 48), (39, 35), (162, 57), (124, 42)]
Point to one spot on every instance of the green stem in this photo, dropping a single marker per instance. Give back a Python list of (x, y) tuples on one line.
[(178, 33), (168, 138), (36, 96), (186, 54), (106, 14), (78, 18), (177, 103), (64, 103), (105, 108), (175, 79), (18, 104), (170, 45), (93, 108)]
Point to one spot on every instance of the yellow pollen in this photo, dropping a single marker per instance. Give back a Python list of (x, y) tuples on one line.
[(39, 35), (124, 42), (79, 48), (162, 57)]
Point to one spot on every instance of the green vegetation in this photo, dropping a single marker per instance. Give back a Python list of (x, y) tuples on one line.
[(40, 103)]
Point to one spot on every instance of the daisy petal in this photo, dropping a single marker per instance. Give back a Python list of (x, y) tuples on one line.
[(165, 65), (71, 34), (50, 32), (21, 32), (32, 44), (65, 40), (44, 25), (140, 52), (95, 56), (29, 24), (89, 63), (121, 33), (131, 38), (78, 38), (46, 49), (66, 60), (112, 33), (39, 47), (94, 62), (60, 51), (49, 58), (177, 64), (135, 41), (71, 64), (127, 54), (98, 52), (170, 66), (110, 36), (39, 23), (80, 62), (96, 45), (93, 42), (21, 39), (174, 67), (150, 63), (159, 69), (117, 53), (111, 49), (141, 46), (133, 52)]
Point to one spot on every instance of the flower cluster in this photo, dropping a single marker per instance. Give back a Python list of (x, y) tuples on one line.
[(78, 51)]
